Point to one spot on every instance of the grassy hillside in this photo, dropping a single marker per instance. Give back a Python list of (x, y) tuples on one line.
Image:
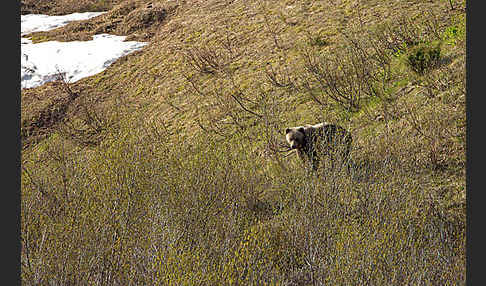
[(170, 167)]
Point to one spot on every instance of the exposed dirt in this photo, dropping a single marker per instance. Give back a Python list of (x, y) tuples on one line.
[(52, 109), (136, 20), (62, 7)]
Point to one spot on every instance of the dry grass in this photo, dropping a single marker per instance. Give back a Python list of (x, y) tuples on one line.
[(62, 7), (166, 169)]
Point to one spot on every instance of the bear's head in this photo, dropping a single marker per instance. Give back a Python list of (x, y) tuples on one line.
[(295, 137)]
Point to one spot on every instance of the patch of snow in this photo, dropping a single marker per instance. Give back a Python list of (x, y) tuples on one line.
[(37, 22), (43, 62), (25, 41)]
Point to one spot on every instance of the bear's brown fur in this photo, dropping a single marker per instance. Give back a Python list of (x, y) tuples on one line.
[(314, 141)]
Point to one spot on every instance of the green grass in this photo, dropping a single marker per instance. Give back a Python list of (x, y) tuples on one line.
[(162, 173)]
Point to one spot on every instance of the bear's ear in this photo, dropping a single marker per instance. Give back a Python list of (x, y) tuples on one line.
[(302, 130), (287, 131)]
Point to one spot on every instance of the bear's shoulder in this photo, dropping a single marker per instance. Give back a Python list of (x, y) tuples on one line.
[(317, 126)]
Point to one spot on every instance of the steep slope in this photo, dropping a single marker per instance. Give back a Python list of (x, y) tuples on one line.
[(170, 166)]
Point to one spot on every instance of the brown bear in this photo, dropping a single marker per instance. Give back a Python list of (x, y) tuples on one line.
[(314, 141)]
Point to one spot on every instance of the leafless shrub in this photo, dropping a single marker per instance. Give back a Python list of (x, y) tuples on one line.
[(87, 121), (231, 106), (375, 62), (51, 115), (232, 103), (345, 77), (451, 4), (273, 30), (358, 70), (280, 76), (205, 59), (438, 131), (209, 59), (88, 127), (402, 33), (440, 82)]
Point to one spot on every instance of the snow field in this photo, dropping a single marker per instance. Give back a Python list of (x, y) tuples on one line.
[(42, 62)]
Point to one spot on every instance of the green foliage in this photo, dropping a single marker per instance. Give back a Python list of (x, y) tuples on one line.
[(423, 57), (450, 34), (455, 32)]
